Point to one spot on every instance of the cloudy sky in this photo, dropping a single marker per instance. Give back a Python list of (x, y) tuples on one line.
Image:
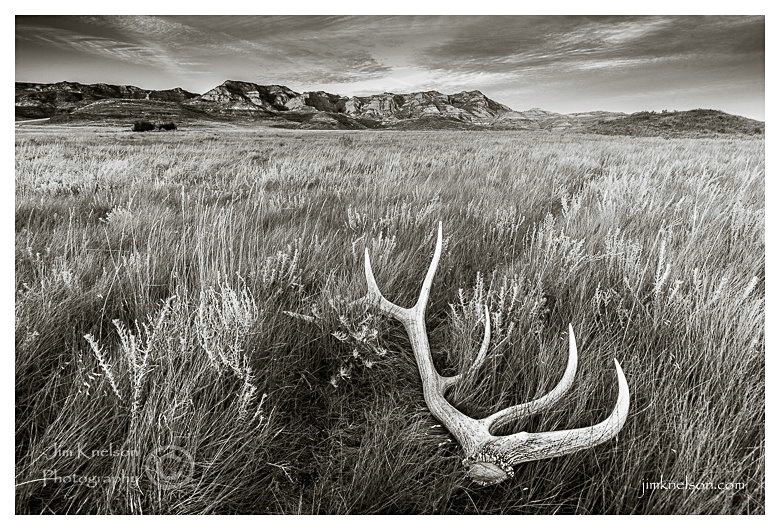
[(563, 64)]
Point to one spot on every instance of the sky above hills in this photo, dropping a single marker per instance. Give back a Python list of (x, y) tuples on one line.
[(559, 63)]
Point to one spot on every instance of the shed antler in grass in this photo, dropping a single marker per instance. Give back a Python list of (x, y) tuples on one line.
[(489, 458)]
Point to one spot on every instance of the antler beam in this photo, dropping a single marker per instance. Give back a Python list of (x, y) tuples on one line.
[(489, 458)]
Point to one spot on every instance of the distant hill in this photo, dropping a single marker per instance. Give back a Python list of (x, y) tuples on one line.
[(280, 106), (697, 122), (239, 97), (539, 119), (40, 100)]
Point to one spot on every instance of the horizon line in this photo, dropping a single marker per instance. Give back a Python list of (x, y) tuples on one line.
[(197, 94)]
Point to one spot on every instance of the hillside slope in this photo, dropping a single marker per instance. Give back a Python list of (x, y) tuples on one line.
[(239, 97), (279, 106), (697, 122), (41, 100)]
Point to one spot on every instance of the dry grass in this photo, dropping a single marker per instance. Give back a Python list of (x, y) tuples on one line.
[(194, 289)]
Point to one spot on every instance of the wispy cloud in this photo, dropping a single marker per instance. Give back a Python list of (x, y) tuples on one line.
[(139, 53), (565, 63)]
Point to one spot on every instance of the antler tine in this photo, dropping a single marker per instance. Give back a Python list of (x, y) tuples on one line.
[(422, 300), (375, 295), (489, 458), (516, 412), (462, 427), (524, 447), (479, 360)]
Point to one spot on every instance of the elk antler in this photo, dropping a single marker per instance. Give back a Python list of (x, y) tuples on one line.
[(489, 458)]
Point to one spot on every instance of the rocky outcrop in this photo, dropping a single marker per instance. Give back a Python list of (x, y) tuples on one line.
[(540, 119), (244, 99), (318, 101), (280, 106), (40, 100), (243, 96), (473, 106)]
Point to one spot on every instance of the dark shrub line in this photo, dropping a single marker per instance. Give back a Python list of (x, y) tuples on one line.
[(143, 126)]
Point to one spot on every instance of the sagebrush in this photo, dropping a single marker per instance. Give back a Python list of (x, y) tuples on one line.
[(198, 290)]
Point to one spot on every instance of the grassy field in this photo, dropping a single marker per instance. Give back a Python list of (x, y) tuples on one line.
[(195, 289)]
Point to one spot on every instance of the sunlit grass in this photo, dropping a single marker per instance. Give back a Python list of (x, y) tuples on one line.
[(195, 289)]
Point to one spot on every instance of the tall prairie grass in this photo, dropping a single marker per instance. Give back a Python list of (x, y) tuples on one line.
[(197, 290)]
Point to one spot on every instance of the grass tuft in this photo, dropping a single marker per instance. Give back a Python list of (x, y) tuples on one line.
[(197, 290)]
